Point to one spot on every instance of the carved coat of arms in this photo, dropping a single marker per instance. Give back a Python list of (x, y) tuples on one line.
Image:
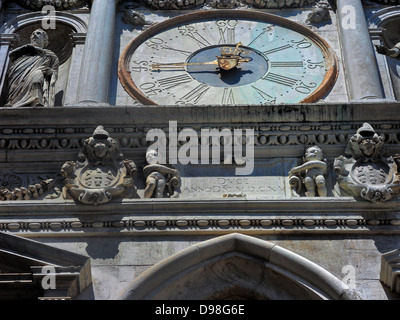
[(364, 171), (100, 174)]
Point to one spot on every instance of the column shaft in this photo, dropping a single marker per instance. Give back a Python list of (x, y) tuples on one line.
[(95, 74), (361, 70)]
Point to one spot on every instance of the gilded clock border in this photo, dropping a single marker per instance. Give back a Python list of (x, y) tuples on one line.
[(330, 56)]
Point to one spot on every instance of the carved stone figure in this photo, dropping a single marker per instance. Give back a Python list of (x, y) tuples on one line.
[(159, 176), (224, 4), (311, 173), (319, 14), (134, 18), (100, 174), (365, 172), (32, 74), (390, 52)]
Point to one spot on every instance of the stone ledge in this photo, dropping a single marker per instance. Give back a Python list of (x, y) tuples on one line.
[(176, 207), (380, 110), (170, 217)]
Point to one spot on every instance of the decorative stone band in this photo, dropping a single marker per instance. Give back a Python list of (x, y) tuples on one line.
[(388, 2), (277, 134), (226, 4), (58, 4), (204, 225)]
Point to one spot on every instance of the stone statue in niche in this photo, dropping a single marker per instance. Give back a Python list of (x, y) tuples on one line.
[(390, 52), (158, 177), (32, 74), (364, 172), (100, 174), (311, 173)]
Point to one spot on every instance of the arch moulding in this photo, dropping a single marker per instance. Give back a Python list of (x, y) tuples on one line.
[(236, 266)]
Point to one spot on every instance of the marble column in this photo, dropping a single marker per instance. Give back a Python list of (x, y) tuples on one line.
[(361, 70), (95, 74)]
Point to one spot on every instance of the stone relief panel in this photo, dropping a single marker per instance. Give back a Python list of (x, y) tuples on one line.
[(14, 187), (364, 172), (91, 175), (100, 174)]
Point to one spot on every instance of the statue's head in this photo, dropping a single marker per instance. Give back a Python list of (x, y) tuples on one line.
[(313, 153), (39, 38), (152, 156), (368, 140)]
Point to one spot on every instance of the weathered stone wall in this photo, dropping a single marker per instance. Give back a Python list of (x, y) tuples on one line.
[(128, 236)]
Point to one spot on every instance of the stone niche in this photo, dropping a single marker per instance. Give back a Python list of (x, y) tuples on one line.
[(66, 41), (60, 42)]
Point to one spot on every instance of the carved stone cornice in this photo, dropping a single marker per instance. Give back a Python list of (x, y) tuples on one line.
[(225, 4), (165, 217), (387, 2), (279, 130), (58, 4)]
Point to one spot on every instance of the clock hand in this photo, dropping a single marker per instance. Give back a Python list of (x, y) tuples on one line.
[(179, 65), (222, 62)]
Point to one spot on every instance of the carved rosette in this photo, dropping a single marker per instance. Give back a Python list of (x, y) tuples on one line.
[(367, 174), (100, 174)]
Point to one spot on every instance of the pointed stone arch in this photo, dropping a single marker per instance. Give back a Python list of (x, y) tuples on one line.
[(236, 266)]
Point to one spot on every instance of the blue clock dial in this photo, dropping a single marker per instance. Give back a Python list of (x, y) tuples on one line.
[(228, 58)]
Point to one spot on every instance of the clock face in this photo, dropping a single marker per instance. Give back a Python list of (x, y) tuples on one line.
[(227, 57)]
